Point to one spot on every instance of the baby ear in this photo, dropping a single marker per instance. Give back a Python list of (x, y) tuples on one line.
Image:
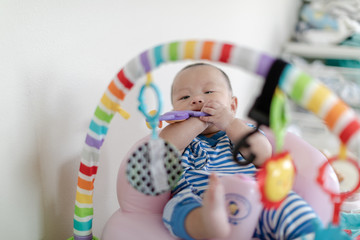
[(234, 104)]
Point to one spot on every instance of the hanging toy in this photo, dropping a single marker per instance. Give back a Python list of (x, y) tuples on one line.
[(152, 113), (333, 231), (276, 177), (339, 163), (155, 166)]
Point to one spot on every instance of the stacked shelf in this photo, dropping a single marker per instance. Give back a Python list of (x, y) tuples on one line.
[(322, 51)]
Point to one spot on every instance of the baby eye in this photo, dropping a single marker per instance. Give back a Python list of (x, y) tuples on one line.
[(208, 92), (184, 97)]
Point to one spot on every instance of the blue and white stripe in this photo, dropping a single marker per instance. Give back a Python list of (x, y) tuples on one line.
[(203, 156)]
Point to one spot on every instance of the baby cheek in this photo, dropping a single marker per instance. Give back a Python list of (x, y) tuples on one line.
[(178, 107)]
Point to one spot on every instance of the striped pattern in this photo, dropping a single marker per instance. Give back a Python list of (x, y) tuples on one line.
[(317, 98), (206, 155), (145, 62), (293, 219)]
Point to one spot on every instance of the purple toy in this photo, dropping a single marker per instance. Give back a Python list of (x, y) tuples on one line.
[(181, 115)]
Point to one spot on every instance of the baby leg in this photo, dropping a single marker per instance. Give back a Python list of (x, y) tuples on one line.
[(293, 219), (210, 220), (188, 216)]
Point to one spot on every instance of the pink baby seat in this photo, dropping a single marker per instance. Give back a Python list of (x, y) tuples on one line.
[(140, 216)]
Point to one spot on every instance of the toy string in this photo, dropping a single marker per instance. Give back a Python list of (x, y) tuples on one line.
[(342, 151), (153, 118)]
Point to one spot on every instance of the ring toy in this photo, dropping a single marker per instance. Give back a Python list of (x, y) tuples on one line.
[(153, 119), (337, 198)]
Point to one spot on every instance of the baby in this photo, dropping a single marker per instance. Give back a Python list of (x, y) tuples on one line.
[(197, 207)]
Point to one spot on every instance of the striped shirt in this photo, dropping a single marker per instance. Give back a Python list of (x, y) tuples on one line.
[(205, 155)]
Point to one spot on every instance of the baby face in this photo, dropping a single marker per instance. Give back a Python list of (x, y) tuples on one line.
[(195, 86)]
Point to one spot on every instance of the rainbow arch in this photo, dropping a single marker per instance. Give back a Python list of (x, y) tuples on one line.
[(300, 87)]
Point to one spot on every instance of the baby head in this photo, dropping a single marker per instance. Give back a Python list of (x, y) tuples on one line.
[(199, 83)]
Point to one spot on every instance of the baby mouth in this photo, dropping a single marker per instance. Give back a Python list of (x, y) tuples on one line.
[(198, 110)]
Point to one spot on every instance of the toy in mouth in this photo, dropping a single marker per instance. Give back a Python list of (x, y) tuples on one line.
[(175, 116)]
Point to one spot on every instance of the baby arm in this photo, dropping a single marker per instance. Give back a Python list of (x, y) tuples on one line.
[(180, 134), (224, 119), (259, 144)]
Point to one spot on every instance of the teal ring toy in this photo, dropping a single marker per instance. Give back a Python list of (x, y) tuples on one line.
[(152, 118)]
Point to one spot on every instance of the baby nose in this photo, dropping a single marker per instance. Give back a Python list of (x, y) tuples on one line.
[(197, 101)]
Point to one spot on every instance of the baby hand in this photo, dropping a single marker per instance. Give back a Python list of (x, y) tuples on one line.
[(220, 115)]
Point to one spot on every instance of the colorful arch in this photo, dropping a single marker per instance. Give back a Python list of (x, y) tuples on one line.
[(300, 87)]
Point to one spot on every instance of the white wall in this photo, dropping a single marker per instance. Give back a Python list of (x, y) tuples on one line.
[(56, 60)]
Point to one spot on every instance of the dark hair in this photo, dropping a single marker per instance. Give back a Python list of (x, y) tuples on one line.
[(210, 65)]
